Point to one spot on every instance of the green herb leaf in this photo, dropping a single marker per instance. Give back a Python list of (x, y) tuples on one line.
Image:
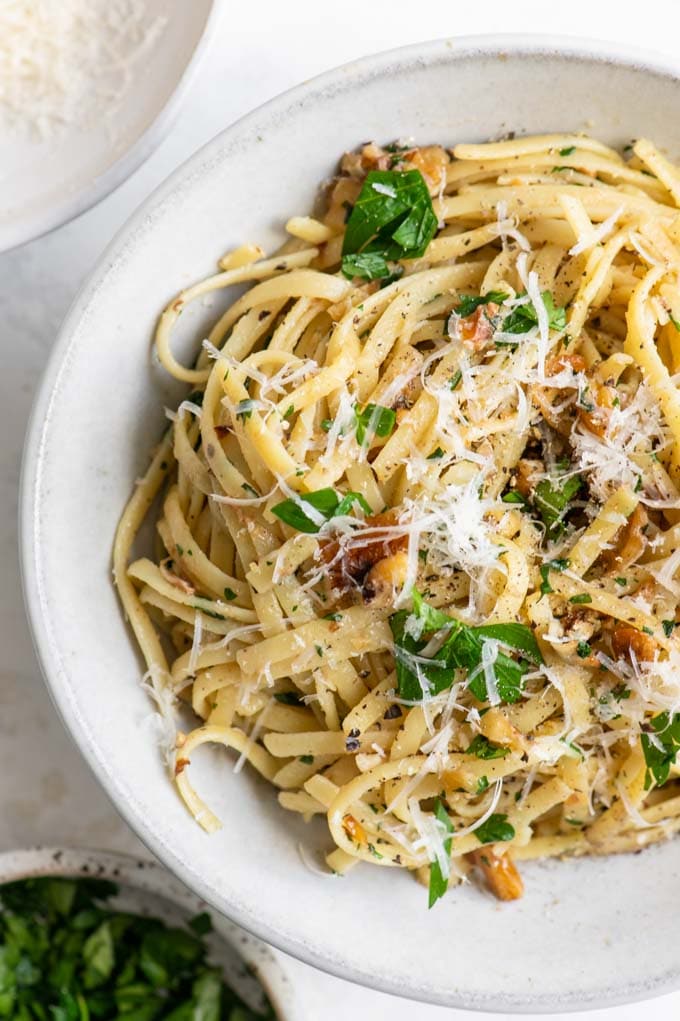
[(65, 955), (201, 924), (495, 829), (514, 496), (428, 618), (484, 749), (462, 648), (668, 627), (392, 218), (438, 882), (244, 409), (661, 748), (561, 564), (568, 150), (207, 996), (455, 379), (524, 317), (469, 304), (583, 650), (98, 956), (436, 454), (582, 599), (373, 420), (348, 501), (552, 498), (325, 501), (365, 265)]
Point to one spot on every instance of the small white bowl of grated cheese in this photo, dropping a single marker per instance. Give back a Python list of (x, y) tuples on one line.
[(88, 89)]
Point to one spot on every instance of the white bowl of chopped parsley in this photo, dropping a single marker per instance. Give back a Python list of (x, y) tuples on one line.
[(86, 935)]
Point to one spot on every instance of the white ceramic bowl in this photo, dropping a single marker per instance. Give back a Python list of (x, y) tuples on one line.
[(574, 941), (146, 888), (44, 183)]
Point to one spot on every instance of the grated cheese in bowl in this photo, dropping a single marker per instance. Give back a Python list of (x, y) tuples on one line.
[(67, 62)]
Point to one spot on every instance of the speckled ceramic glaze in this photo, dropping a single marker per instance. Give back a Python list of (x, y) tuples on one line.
[(146, 888), (587, 933)]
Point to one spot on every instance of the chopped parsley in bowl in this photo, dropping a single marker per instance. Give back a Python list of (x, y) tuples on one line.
[(68, 952)]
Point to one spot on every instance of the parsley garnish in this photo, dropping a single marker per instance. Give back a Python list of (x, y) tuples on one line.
[(482, 784), (582, 599), (373, 420), (552, 498), (496, 828), (436, 454), (483, 749), (583, 650), (455, 379), (621, 581), (660, 759), (392, 219), (552, 565), (326, 501), (438, 882), (468, 304), (514, 496), (668, 627), (67, 955), (568, 150), (366, 266), (229, 594), (244, 409), (462, 648), (524, 317)]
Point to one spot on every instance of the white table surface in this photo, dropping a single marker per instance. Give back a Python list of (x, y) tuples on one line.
[(263, 47)]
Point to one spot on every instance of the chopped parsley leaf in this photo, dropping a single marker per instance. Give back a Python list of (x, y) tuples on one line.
[(438, 882), (391, 219), (495, 829), (484, 749), (469, 304)]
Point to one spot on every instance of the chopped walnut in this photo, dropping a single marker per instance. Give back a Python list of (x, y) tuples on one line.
[(430, 160), (349, 567), (630, 542), (500, 873), (628, 642)]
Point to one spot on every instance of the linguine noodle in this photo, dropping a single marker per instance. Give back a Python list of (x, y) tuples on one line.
[(418, 522)]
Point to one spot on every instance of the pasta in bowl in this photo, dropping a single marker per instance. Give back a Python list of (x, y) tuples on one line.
[(417, 527)]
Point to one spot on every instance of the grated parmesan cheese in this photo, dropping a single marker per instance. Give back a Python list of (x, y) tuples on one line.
[(65, 62)]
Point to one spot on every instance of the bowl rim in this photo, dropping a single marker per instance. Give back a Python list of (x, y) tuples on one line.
[(73, 205), (148, 876), (597, 51)]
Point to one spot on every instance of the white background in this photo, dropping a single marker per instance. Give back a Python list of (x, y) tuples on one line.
[(261, 48)]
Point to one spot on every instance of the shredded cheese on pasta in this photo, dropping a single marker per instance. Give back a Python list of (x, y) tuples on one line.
[(365, 473)]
